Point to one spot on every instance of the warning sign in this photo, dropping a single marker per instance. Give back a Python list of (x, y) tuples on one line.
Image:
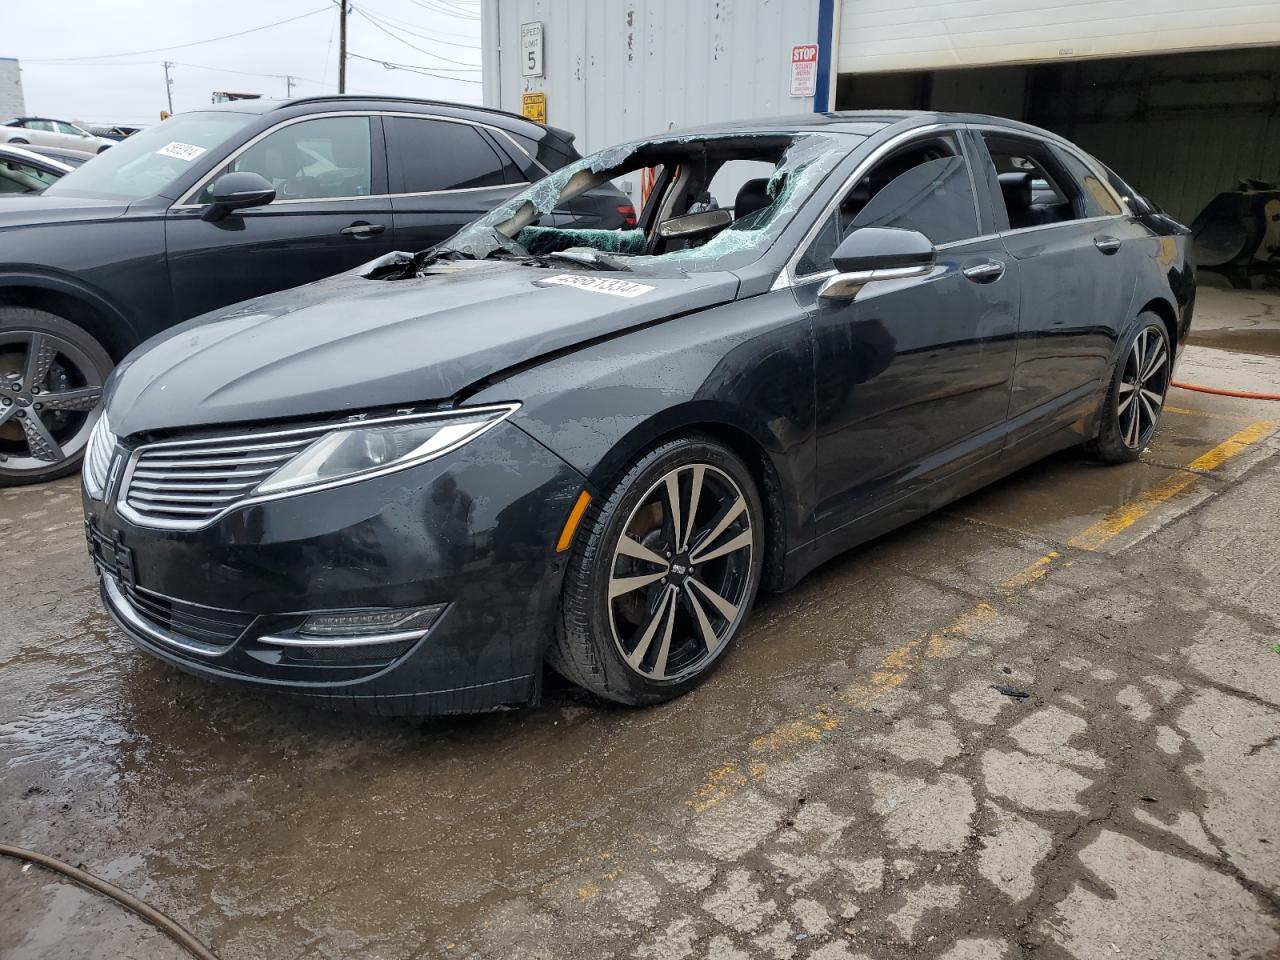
[(804, 70), (534, 106)]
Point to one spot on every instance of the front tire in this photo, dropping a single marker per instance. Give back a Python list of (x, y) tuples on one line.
[(662, 575), (51, 377), (1131, 413)]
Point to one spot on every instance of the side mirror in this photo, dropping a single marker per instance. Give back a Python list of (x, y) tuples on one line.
[(694, 224), (234, 191), (877, 253)]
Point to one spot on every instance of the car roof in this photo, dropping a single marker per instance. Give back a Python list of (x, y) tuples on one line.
[(30, 156), (863, 122), (498, 118)]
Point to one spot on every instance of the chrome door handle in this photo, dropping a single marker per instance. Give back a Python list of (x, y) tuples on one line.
[(362, 230), (1107, 245), (987, 272)]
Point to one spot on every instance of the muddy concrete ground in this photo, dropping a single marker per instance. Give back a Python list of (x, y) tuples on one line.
[(850, 784)]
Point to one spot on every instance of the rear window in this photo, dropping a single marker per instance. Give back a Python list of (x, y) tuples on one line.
[(432, 155)]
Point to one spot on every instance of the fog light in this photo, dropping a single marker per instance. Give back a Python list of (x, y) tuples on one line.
[(364, 623)]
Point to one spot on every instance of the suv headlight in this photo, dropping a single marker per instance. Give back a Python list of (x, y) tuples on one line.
[(97, 458), (356, 452)]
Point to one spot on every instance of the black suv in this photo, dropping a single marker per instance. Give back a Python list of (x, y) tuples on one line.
[(221, 205)]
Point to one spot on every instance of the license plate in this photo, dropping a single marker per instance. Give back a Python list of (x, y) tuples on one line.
[(110, 555)]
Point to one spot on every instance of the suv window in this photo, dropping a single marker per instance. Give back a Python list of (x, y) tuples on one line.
[(924, 187), (317, 159), (436, 155), (1035, 187)]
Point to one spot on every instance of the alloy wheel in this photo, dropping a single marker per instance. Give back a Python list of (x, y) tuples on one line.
[(49, 389), (681, 572), (1142, 387)]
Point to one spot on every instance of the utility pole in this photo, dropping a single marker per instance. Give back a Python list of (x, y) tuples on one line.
[(168, 85), (342, 46), (288, 88)]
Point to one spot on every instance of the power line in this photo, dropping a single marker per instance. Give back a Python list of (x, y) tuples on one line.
[(413, 68), (435, 32), (460, 63), (181, 46), (399, 25), (446, 11)]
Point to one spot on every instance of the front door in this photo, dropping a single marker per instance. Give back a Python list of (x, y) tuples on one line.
[(912, 375), (331, 213)]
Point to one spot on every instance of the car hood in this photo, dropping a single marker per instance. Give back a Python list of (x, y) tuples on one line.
[(351, 343), (36, 209)]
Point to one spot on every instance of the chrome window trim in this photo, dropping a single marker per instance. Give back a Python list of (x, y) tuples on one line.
[(122, 492), (1055, 226), (186, 201), (1051, 139)]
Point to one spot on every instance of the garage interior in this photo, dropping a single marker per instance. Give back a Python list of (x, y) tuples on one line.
[(1180, 127)]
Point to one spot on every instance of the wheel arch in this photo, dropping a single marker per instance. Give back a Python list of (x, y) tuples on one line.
[(1166, 312), (74, 302), (744, 441)]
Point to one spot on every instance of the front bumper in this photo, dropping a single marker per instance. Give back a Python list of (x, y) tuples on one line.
[(474, 530)]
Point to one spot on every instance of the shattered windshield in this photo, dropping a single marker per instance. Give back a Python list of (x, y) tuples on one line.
[(718, 203)]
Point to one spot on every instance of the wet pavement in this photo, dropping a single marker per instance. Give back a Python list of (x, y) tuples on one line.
[(849, 785)]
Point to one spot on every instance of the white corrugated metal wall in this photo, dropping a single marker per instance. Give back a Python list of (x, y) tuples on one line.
[(11, 103), (619, 69), (885, 35)]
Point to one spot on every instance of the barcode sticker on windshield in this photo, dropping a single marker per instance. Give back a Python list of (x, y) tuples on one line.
[(180, 151), (617, 288)]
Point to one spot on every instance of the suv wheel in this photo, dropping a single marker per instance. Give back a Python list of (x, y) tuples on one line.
[(51, 377)]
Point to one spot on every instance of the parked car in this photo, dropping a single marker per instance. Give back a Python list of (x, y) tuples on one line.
[(24, 171), (72, 158), (44, 132), (403, 488), (217, 206), (116, 131)]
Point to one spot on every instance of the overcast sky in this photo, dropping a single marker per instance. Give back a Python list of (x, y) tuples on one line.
[(130, 89)]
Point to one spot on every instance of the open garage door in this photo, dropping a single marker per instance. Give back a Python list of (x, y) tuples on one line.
[(1181, 127)]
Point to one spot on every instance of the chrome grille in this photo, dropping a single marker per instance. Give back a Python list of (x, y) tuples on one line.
[(97, 458), (186, 483)]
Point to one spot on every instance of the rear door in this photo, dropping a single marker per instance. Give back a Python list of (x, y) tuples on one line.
[(444, 173), (1075, 249), (912, 376), (331, 213), (41, 132)]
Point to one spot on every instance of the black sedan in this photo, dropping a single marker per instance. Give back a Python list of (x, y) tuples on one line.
[(406, 488), (219, 205)]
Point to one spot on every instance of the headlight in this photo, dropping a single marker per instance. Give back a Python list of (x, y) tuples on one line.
[(358, 451), (97, 458)]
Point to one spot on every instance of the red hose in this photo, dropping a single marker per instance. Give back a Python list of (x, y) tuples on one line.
[(1243, 394)]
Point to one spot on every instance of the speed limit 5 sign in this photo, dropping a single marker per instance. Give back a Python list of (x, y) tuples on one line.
[(531, 49)]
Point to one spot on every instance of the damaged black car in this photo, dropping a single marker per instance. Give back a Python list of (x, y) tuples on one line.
[(409, 488)]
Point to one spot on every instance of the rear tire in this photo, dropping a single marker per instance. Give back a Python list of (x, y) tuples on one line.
[(647, 618), (1135, 400), (51, 377)]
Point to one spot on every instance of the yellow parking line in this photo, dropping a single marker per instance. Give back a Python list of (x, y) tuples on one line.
[(894, 668), (1126, 515), (1209, 415)]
